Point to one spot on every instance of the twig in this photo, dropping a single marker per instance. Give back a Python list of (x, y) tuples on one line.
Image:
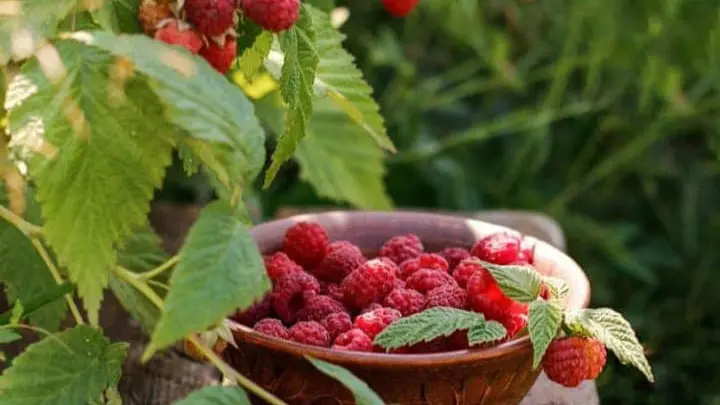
[(139, 285), (18, 222), (159, 269), (230, 372), (58, 279)]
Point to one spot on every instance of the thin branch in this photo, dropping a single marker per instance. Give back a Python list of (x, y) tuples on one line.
[(18, 222), (230, 372), (58, 279), (139, 285), (150, 274)]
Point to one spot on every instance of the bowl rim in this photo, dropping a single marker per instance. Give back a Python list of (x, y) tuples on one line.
[(515, 347)]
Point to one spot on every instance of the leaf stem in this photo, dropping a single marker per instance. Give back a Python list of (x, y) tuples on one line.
[(229, 371), (150, 274), (18, 222), (40, 248), (40, 331), (139, 285)]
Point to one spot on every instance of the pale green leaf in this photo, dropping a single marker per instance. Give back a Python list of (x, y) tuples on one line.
[(296, 85), (220, 270), (69, 368), (341, 162), (24, 273), (36, 21), (615, 332), (343, 82), (426, 326), (544, 319), (253, 57), (559, 288), (8, 336), (216, 396), (117, 15), (519, 283), (486, 332), (107, 152), (197, 99), (364, 395)]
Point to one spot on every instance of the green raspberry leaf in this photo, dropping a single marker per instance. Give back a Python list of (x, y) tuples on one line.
[(544, 322), (23, 271), (72, 367), (559, 288), (220, 270), (486, 332), (296, 85), (426, 326), (615, 332), (364, 395), (519, 283), (117, 15), (342, 81), (18, 310), (142, 251), (36, 21), (253, 57), (216, 396), (8, 336), (99, 151), (203, 103)]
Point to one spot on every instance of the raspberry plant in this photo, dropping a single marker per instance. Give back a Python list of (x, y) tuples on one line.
[(94, 109)]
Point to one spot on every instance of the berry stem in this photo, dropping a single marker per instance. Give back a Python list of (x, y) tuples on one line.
[(18, 222), (230, 372), (150, 274), (140, 285)]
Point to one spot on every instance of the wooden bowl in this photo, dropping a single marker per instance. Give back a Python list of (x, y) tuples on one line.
[(492, 376)]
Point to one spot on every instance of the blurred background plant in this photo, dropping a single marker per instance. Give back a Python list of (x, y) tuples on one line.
[(600, 113)]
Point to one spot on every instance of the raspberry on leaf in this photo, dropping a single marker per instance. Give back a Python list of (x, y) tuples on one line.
[(220, 56), (571, 360), (272, 15), (176, 32)]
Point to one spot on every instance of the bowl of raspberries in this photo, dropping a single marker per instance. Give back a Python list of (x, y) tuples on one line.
[(406, 301)]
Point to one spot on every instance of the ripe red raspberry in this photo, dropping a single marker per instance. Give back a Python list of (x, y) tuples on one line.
[(492, 303), (571, 360), (175, 33), (151, 13), (498, 248), (527, 251), (310, 333), (465, 270), (212, 18), (401, 248), (341, 259), (337, 323), (220, 57), (369, 283), (318, 308), (273, 15), (514, 323), (427, 279), (371, 308), (406, 301), (353, 340), (306, 243), (423, 261), (449, 295), (400, 283), (272, 327), (290, 293), (454, 256), (279, 264), (374, 322), (399, 8), (256, 312)]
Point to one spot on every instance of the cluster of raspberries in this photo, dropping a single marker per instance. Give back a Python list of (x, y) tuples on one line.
[(331, 294), (207, 27)]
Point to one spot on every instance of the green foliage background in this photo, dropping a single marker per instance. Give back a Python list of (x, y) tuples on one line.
[(601, 113)]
